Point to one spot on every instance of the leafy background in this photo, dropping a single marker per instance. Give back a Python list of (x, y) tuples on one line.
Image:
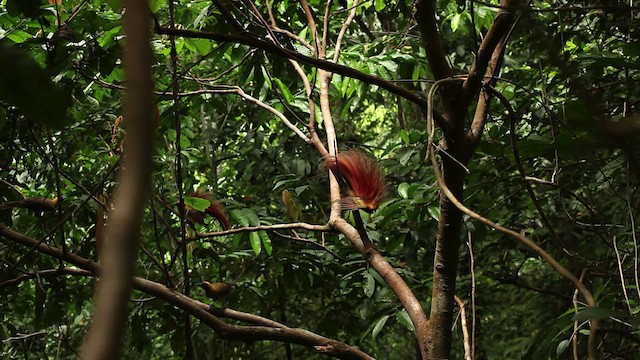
[(569, 73)]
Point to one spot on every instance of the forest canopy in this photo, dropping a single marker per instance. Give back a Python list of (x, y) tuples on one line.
[(308, 179)]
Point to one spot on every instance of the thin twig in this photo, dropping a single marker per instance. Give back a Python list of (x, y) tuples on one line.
[(312, 227), (472, 265), (633, 234), (465, 330), (576, 327), (343, 30), (621, 272)]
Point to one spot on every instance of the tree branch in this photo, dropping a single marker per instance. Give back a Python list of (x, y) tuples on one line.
[(268, 329), (290, 54), (361, 242), (426, 18)]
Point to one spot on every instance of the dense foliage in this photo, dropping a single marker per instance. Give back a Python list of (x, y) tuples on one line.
[(562, 168)]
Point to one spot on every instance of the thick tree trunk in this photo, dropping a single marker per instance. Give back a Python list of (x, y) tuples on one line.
[(446, 260)]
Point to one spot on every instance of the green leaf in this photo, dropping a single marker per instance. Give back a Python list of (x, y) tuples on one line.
[(240, 216), (379, 326), (390, 65), (455, 22), (404, 158), (184, 141), (300, 189), (403, 190), (197, 203), (29, 88), (155, 5), (597, 313), (265, 75), (200, 20), (369, 284), (255, 242), (282, 183), (382, 71), (108, 37), (266, 242), (246, 217), (434, 211), (404, 319), (253, 218), (415, 74), (202, 46), (562, 346), (379, 5), (19, 36), (404, 135), (284, 90)]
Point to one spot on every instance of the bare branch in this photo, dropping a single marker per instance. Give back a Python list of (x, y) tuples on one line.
[(262, 227), (491, 72), (24, 336), (391, 277), (465, 330), (425, 16), (268, 329), (45, 273), (38, 204), (343, 30), (290, 54)]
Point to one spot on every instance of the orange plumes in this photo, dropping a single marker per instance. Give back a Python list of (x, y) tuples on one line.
[(364, 181), (215, 209)]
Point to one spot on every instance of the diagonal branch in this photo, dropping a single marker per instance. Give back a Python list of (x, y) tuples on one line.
[(290, 54), (360, 240), (267, 329), (491, 71), (497, 32), (426, 18)]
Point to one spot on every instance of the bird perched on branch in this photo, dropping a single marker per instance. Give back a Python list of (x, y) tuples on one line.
[(214, 209), (217, 290), (361, 178)]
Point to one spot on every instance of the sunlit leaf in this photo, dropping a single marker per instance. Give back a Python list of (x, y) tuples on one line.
[(379, 325)]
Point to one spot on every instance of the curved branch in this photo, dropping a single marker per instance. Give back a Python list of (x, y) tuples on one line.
[(267, 329), (523, 173), (343, 30), (361, 242), (492, 69), (38, 204), (290, 54), (586, 294), (497, 32), (358, 237)]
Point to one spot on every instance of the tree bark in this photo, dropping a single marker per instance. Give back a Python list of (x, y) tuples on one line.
[(445, 267)]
